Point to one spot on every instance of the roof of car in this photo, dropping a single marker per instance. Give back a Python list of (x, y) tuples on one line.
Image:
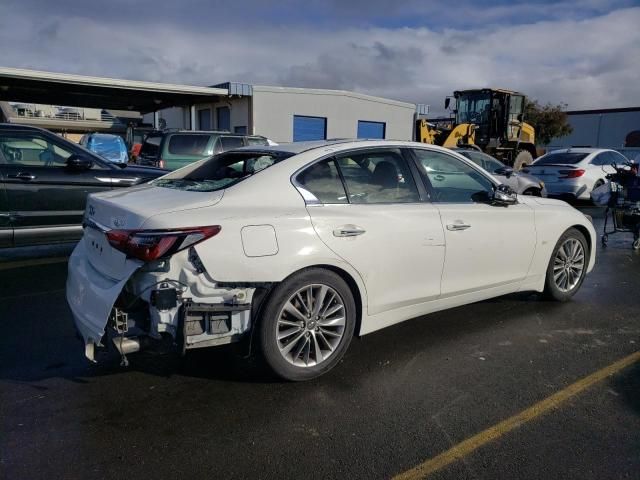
[(579, 150), (14, 126), (297, 147)]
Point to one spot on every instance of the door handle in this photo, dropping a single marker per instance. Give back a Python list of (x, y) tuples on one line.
[(458, 226), (348, 231), (23, 176)]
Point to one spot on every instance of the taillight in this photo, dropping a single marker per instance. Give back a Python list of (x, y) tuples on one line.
[(570, 173), (161, 163), (148, 245)]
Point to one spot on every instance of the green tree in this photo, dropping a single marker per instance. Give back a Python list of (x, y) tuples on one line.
[(550, 121)]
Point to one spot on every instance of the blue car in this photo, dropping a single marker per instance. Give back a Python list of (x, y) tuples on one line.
[(108, 146)]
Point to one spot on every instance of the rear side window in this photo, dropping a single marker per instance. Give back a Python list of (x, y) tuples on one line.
[(229, 143), (322, 180), (151, 146), (562, 158), (257, 141), (378, 176), (188, 144)]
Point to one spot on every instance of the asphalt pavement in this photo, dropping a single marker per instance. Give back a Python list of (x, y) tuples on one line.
[(401, 396)]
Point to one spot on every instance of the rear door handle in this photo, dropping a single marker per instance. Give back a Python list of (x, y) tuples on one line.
[(348, 231), (23, 176), (458, 226)]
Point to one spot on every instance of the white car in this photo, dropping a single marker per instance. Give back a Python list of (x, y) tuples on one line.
[(575, 172), (304, 245)]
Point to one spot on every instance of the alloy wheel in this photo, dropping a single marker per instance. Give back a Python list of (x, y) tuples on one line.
[(311, 325), (568, 265)]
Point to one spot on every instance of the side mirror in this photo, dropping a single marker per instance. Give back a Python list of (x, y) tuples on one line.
[(447, 101), (506, 171), (504, 195), (79, 163)]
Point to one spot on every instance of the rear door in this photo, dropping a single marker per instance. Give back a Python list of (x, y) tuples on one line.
[(45, 199), (366, 206)]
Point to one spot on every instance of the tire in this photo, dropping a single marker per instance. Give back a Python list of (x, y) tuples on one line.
[(523, 158), (317, 336), (562, 269), (534, 192)]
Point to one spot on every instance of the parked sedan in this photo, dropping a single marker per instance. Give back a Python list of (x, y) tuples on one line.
[(522, 183), (44, 182), (574, 172), (307, 244)]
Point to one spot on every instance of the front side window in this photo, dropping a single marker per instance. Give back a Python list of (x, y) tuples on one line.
[(452, 180), (322, 181), (377, 176), (32, 150)]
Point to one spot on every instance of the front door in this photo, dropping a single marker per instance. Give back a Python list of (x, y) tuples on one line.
[(46, 200), (486, 246), (369, 212)]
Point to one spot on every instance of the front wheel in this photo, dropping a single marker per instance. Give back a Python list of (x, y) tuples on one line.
[(307, 324), (567, 266)]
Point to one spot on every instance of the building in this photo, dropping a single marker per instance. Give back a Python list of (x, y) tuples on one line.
[(286, 114), (615, 128), (279, 113)]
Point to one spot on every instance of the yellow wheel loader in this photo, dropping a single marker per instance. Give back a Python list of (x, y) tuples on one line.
[(491, 120)]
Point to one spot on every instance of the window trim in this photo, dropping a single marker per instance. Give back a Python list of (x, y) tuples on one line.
[(457, 156)]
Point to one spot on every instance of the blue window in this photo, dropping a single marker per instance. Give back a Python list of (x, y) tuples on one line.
[(371, 129), (204, 119), (309, 128)]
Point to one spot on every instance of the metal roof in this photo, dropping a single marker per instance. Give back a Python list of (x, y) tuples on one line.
[(20, 85)]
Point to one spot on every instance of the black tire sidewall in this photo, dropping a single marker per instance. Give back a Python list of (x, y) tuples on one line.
[(551, 290), (269, 317)]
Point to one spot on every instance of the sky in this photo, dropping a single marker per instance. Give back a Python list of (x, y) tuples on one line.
[(584, 53)]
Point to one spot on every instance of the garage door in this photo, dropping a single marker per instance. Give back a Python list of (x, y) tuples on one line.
[(309, 128), (371, 129)]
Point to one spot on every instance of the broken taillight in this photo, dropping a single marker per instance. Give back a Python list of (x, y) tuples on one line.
[(148, 245)]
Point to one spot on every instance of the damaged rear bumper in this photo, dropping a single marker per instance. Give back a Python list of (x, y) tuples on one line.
[(175, 301)]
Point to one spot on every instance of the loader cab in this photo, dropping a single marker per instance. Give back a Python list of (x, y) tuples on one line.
[(497, 115)]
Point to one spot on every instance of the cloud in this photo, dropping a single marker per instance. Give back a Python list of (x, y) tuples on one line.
[(587, 61)]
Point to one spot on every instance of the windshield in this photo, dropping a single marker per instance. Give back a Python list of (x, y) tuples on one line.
[(561, 158), (221, 171), (473, 108)]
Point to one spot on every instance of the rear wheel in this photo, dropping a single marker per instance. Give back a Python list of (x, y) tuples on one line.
[(567, 266), (523, 158), (307, 324)]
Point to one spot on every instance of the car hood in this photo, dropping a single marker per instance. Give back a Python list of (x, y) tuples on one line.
[(130, 208)]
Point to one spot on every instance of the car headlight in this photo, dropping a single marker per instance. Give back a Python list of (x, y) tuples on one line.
[(589, 217)]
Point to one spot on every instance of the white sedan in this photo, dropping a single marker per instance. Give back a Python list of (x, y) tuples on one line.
[(301, 246), (574, 172)]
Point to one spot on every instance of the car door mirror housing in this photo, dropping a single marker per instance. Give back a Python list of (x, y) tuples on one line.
[(506, 171), (504, 195), (79, 163)]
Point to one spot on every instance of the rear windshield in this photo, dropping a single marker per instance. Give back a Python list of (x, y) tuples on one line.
[(151, 146), (561, 158), (222, 171), (188, 144)]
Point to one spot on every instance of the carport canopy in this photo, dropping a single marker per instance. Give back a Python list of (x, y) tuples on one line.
[(32, 86)]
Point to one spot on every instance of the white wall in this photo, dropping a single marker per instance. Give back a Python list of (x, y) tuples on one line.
[(274, 108)]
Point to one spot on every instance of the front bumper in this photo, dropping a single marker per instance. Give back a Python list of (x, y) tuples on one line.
[(91, 296)]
